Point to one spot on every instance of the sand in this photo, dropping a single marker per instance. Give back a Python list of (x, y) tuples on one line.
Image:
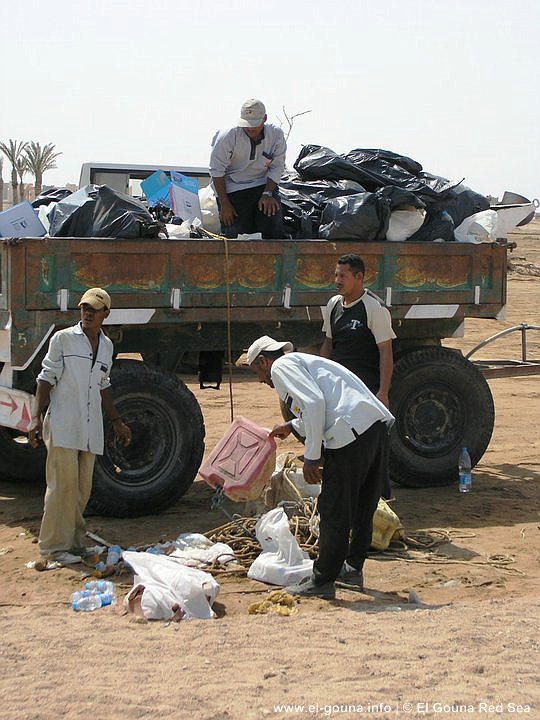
[(469, 649)]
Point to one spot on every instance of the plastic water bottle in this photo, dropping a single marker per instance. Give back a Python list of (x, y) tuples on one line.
[(85, 601), (464, 466), (114, 555), (99, 586)]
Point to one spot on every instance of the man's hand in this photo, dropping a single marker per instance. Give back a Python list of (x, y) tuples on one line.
[(312, 474), (227, 213), (280, 431), (35, 432), (383, 397), (268, 205), (122, 432)]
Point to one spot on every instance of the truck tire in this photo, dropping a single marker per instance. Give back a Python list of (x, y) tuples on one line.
[(19, 460), (441, 403), (167, 444)]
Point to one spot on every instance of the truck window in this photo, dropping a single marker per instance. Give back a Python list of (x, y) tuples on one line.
[(127, 179)]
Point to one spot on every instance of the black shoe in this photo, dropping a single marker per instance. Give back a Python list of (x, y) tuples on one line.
[(308, 588), (350, 577)]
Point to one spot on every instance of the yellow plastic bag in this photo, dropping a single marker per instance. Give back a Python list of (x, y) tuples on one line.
[(386, 526)]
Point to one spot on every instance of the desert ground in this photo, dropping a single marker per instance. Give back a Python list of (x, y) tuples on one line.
[(470, 648)]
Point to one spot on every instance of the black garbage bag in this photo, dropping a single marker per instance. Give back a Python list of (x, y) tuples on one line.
[(373, 169), (437, 226), (101, 211), (303, 201), (316, 162), (361, 217), (460, 202), (399, 198), (51, 195), (374, 156)]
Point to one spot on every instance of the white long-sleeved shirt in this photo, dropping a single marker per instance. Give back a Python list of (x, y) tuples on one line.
[(246, 164), (74, 411), (328, 400)]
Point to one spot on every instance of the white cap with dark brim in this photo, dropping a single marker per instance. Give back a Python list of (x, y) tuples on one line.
[(96, 298), (253, 114), (266, 343)]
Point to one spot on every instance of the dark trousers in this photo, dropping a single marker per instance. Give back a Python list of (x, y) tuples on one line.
[(352, 481), (249, 219)]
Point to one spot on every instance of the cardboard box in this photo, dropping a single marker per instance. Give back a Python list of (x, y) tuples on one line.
[(21, 221), (185, 196)]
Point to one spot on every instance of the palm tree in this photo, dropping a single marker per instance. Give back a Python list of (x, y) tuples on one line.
[(22, 168), (13, 152), (1, 184), (39, 160)]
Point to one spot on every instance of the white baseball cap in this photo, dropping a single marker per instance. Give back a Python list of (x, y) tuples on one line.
[(96, 298), (252, 114), (266, 343)]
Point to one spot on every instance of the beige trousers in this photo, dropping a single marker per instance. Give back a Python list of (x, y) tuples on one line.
[(69, 483)]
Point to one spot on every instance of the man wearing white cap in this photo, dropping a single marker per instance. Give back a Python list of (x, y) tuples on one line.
[(72, 389), (246, 165), (332, 408)]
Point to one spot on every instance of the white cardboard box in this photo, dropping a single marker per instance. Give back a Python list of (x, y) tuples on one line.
[(21, 221)]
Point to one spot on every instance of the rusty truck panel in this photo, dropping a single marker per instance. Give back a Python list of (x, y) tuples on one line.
[(431, 286)]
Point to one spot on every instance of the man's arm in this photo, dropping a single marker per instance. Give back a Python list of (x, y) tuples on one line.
[(121, 430), (43, 397), (227, 213), (326, 348), (386, 368)]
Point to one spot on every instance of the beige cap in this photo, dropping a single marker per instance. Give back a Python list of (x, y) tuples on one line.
[(96, 298), (266, 343), (253, 113)]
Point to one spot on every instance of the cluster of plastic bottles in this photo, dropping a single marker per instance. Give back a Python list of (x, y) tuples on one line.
[(114, 555), (96, 594)]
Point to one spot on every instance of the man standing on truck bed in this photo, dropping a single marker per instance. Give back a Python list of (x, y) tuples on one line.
[(333, 408), (246, 165), (72, 387)]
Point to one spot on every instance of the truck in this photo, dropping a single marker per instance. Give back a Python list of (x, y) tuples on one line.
[(210, 298)]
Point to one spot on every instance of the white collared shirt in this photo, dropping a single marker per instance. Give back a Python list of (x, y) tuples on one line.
[(245, 164), (328, 401), (75, 412)]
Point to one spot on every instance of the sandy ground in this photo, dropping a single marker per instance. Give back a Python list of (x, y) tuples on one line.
[(469, 650)]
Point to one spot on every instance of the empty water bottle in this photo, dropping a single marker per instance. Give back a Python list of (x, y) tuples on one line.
[(85, 601), (464, 467), (114, 555), (99, 586)]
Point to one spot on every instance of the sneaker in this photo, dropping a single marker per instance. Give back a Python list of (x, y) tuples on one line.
[(307, 588), (66, 558), (350, 577)]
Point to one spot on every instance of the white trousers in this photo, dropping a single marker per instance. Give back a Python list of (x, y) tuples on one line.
[(69, 483)]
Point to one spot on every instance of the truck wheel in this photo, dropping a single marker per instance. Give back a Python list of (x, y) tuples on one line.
[(20, 461), (441, 403), (166, 449)]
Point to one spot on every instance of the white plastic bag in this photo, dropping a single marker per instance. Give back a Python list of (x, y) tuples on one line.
[(167, 582), (209, 208), (477, 228), (404, 223), (282, 561)]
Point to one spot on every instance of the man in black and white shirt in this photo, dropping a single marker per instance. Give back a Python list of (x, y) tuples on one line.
[(332, 408), (358, 329)]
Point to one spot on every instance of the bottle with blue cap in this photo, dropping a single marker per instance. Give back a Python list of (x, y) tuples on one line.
[(464, 468)]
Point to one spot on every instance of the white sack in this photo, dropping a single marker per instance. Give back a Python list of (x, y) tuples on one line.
[(477, 228), (404, 223), (282, 561), (209, 208), (167, 582)]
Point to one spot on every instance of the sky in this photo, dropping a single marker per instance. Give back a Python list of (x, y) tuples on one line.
[(453, 84)]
